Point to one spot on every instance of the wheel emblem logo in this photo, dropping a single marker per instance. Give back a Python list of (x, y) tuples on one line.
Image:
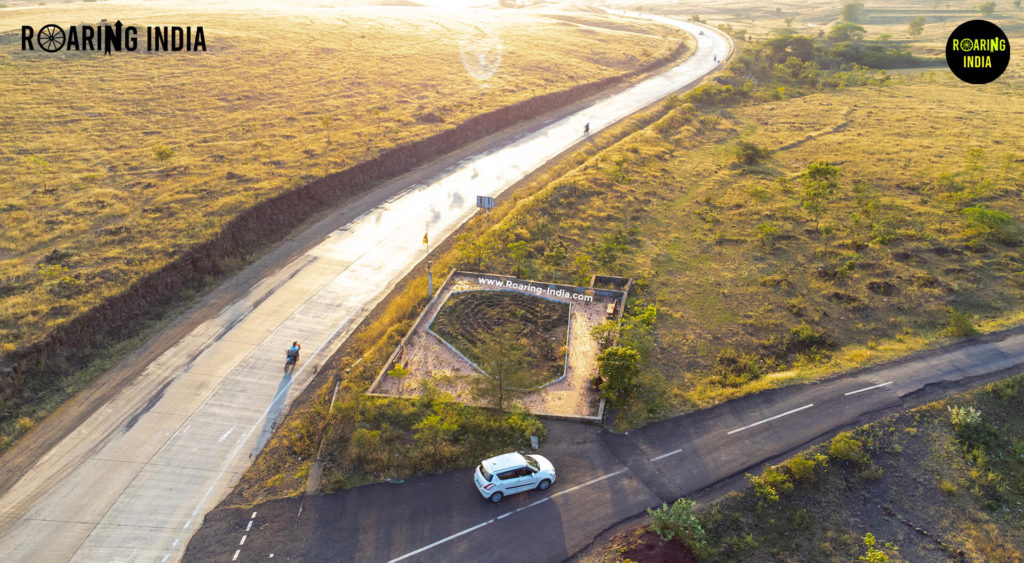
[(51, 38)]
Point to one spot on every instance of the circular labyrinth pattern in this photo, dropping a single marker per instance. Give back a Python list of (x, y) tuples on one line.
[(469, 319)]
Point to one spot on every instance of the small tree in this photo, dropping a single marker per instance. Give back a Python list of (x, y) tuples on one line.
[(916, 27), (518, 251), (504, 360), (619, 368), (852, 12), (40, 167), (607, 251), (583, 266), (475, 250), (606, 333), (987, 8), (846, 31), (820, 183), (325, 121), (678, 523)]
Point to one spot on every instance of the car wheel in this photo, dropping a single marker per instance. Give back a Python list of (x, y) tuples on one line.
[(496, 497), (543, 485)]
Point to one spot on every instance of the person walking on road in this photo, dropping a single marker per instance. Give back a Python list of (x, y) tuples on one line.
[(586, 129)]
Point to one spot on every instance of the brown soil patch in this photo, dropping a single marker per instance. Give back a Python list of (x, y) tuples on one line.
[(650, 549)]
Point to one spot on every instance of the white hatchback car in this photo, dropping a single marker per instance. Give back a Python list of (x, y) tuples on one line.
[(511, 473)]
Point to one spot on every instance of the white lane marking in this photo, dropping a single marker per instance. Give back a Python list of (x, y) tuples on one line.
[(186, 524), (166, 555), (771, 418), (226, 434), (253, 517), (175, 543), (243, 540), (590, 482), (545, 499), (249, 527), (235, 557), (663, 456), (439, 542), (868, 388), (482, 524)]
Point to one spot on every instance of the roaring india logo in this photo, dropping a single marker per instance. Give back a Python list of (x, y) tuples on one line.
[(977, 52), (109, 38)]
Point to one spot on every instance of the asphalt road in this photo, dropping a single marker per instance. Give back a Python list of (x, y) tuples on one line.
[(603, 478), (163, 443)]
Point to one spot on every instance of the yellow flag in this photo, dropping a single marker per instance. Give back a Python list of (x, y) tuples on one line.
[(425, 241)]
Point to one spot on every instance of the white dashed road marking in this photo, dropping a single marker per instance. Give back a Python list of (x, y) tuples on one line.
[(663, 456), (868, 388), (771, 418)]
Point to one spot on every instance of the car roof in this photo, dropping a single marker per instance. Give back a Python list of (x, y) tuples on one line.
[(504, 461)]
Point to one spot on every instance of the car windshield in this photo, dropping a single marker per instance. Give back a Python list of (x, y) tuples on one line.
[(532, 462), (485, 473)]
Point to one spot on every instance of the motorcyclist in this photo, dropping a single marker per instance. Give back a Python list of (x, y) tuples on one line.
[(293, 353), (586, 129)]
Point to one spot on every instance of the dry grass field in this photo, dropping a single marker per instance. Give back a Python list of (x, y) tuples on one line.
[(113, 165)]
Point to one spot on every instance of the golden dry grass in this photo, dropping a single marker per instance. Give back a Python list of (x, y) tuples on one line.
[(282, 96)]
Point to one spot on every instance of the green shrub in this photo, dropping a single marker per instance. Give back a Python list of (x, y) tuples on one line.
[(801, 468), (162, 152), (777, 480), (985, 223), (764, 491), (677, 523), (963, 417), (845, 448), (749, 153), (960, 325), (733, 369), (619, 368)]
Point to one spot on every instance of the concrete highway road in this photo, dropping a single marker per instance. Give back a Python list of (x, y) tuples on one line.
[(135, 477), (603, 478)]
